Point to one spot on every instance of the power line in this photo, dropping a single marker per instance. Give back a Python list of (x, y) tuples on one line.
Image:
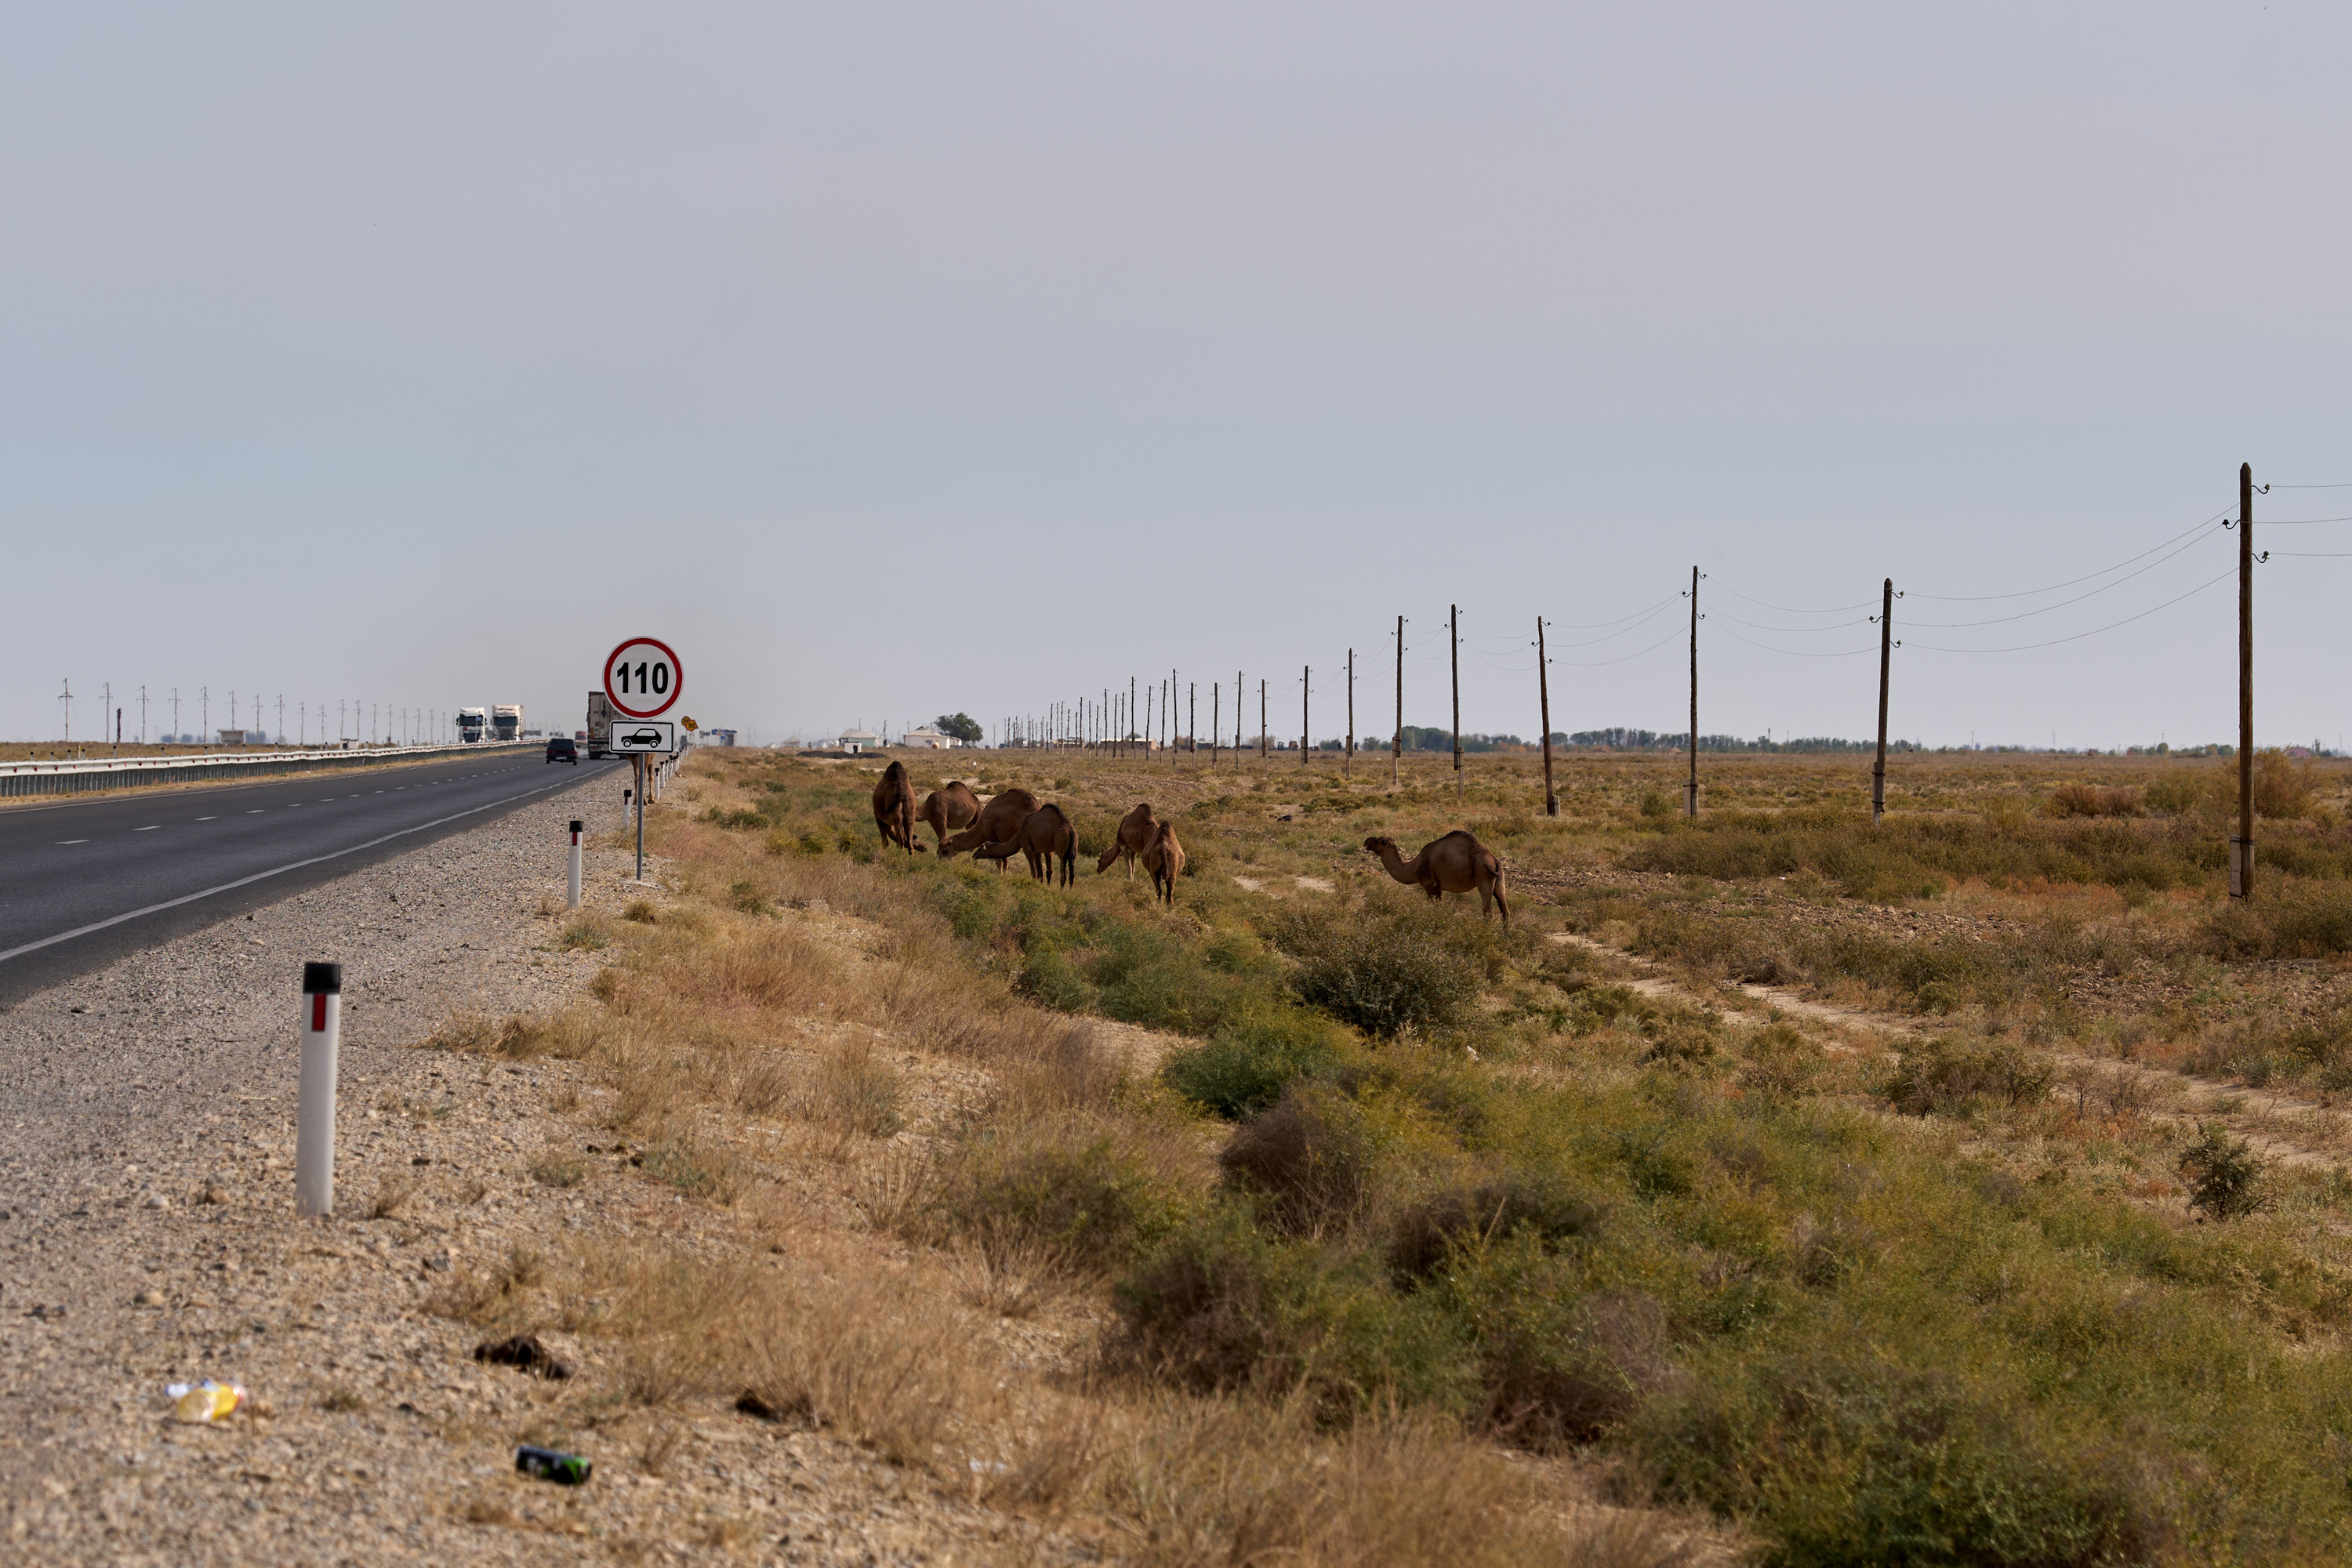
[(1792, 610), (1674, 635), (1794, 652), (2045, 610), (2094, 631), (1794, 631), (2029, 593)]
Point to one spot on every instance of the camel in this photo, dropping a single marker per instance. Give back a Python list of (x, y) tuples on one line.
[(1045, 837), (1000, 818), (951, 806), (894, 807), (1165, 860), (1454, 864), (1136, 831)]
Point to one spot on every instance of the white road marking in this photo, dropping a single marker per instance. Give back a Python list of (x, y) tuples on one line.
[(148, 828), (257, 810), (73, 840), (208, 819)]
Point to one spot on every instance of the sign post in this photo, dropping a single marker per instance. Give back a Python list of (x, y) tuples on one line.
[(643, 678)]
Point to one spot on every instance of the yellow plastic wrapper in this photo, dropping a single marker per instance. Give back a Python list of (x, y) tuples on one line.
[(203, 1402)]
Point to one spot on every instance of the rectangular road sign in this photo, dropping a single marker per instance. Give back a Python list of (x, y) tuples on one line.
[(643, 734)]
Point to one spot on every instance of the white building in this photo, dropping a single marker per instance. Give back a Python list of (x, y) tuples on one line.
[(859, 740), (925, 735)]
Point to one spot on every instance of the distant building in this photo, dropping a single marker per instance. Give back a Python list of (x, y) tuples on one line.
[(714, 737), (859, 740), (925, 735)]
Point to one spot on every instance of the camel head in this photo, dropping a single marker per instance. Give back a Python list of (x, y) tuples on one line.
[(1380, 846), (1004, 850)]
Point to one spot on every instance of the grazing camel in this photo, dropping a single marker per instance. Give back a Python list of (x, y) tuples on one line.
[(894, 806), (949, 808), (1049, 841), (1454, 864), (1165, 860), (998, 821), (1136, 831)]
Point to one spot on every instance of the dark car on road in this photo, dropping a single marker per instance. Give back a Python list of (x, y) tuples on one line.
[(563, 749)]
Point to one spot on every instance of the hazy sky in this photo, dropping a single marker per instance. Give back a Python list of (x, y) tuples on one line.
[(895, 360)]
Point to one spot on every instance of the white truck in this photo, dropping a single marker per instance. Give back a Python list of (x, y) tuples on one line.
[(599, 725), (506, 720), (470, 722)]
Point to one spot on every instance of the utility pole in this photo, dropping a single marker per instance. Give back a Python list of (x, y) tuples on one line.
[(1263, 752), (1167, 691), (1885, 656), (1453, 636), (281, 718), (1690, 790), (1216, 717), (66, 699), (105, 703), (143, 714), (2241, 847), (1241, 700), (1305, 685), (1193, 717), (1131, 703), (175, 711), (1396, 741), (1347, 757), (1543, 693)]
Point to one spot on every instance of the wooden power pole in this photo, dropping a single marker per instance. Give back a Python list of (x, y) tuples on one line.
[(1263, 752), (1347, 757), (1241, 700), (1396, 741), (1543, 693), (1306, 684), (1454, 636), (1216, 694), (2241, 847), (1690, 790), (1885, 653), (1193, 717)]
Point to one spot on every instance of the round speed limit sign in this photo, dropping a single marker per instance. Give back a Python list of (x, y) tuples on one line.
[(642, 677)]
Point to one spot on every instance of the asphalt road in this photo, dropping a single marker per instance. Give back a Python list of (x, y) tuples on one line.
[(82, 883)]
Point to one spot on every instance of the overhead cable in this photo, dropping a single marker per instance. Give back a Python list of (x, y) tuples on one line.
[(2094, 631)]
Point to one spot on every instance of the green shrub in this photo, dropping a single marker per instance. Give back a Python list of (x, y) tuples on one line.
[(1383, 971), (1843, 1460), (1307, 1157), (2224, 1177), (1221, 1307), (1947, 1073), (1085, 1201), (1244, 1066), (1533, 1200)]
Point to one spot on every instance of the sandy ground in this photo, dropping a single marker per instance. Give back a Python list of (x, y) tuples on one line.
[(147, 1236)]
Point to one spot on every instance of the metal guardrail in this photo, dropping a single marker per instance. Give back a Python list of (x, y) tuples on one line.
[(30, 778)]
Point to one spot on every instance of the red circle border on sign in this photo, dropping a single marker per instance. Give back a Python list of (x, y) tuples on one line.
[(677, 685)]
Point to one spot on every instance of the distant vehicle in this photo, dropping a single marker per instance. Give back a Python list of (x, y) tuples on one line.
[(561, 749), (643, 738), (506, 720), (599, 734), (470, 723)]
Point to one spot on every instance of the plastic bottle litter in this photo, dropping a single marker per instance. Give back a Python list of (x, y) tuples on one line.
[(195, 1404), (563, 1470)]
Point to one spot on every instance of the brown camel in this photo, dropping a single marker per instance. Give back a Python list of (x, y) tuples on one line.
[(1049, 841), (1165, 860), (951, 806), (1454, 864), (1136, 831), (1000, 818), (894, 806)]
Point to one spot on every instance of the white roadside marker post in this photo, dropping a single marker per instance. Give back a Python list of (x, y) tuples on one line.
[(314, 1135), (575, 863)]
